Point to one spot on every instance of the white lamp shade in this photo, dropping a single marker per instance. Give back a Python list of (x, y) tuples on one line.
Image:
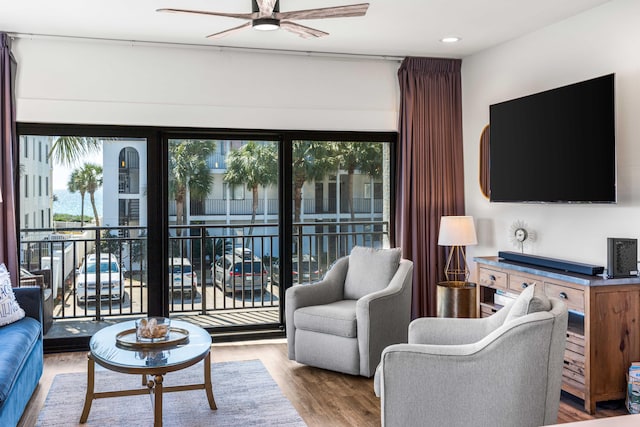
[(457, 231)]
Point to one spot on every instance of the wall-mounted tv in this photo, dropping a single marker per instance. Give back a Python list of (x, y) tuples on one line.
[(556, 146)]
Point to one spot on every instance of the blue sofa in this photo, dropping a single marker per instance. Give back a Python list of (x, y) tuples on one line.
[(21, 357)]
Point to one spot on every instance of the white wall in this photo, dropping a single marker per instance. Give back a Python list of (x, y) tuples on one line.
[(96, 82), (600, 41)]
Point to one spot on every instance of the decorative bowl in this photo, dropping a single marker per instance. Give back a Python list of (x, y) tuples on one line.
[(153, 329)]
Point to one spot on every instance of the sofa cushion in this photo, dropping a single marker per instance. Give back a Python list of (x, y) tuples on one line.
[(18, 339), (370, 270), (10, 310), (531, 300), (337, 318)]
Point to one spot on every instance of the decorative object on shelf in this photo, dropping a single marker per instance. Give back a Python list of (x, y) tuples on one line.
[(519, 233), (457, 231)]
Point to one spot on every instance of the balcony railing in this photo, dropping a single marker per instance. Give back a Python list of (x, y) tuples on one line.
[(212, 268), (309, 206)]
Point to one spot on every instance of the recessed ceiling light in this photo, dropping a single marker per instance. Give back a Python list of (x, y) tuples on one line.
[(450, 39)]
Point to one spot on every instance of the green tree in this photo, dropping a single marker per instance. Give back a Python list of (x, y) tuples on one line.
[(311, 161), (76, 184), (255, 165), (189, 172), (69, 150), (91, 177), (365, 157)]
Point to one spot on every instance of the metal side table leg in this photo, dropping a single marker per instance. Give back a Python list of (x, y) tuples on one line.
[(91, 369), (157, 410), (207, 382)]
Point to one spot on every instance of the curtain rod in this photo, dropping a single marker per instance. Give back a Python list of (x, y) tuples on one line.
[(208, 46)]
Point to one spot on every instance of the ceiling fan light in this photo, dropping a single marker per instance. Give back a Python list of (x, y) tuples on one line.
[(266, 24)]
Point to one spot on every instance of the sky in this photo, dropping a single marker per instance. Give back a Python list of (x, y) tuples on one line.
[(61, 173)]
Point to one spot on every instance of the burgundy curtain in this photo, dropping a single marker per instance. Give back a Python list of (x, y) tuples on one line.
[(8, 149), (431, 169)]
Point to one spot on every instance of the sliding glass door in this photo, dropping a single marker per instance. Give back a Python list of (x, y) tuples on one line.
[(83, 228), (223, 230), (205, 225), (341, 197)]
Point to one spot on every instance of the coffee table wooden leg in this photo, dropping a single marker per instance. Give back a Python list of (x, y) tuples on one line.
[(88, 399), (157, 410), (207, 382)]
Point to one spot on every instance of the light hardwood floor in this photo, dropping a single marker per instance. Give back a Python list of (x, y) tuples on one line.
[(322, 398)]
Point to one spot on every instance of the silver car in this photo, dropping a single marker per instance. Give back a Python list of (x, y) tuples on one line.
[(240, 271), (182, 277), (111, 279)]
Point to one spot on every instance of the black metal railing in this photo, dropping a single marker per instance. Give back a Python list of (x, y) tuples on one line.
[(212, 268), (219, 207)]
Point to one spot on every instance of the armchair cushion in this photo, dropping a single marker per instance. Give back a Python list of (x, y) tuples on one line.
[(531, 300), (338, 318), (370, 270), (10, 310)]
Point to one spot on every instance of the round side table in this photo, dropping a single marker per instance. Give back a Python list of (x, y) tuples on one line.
[(457, 299)]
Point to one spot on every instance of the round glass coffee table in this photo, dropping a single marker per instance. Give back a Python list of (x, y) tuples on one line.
[(152, 361)]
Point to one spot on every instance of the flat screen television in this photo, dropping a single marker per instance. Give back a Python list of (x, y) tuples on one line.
[(556, 146)]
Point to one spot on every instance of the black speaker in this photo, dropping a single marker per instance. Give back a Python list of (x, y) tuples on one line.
[(622, 257)]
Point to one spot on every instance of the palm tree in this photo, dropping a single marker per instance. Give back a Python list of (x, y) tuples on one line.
[(69, 150), (189, 170), (91, 175), (76, 184), (363, 156), (255, 165), (311, 161)]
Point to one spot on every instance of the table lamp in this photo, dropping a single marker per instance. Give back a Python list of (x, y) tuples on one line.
[(457, 231)]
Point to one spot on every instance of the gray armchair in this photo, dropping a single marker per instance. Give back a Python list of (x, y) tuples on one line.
[(343, 322), (494, 371)]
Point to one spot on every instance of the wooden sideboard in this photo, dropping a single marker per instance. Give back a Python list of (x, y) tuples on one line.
[(603, 336)]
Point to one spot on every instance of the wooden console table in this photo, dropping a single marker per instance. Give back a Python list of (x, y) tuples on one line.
[(603, 337)]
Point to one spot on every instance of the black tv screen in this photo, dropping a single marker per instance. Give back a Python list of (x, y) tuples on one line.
[(556, 146)]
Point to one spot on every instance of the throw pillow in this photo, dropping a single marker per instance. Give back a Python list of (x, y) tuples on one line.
[(10, 311), (370, 270), (531, 300)]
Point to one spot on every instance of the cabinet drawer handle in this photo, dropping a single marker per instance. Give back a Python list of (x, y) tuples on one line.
[(492, 277), (524, 285), (563, 295)]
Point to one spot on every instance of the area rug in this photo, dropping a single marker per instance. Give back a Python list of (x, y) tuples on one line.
[(245, 394)]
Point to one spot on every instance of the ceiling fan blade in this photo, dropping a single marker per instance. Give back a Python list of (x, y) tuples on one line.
[(326, 12), (203, 12), (229, 31), (266, 7), (301, 30)]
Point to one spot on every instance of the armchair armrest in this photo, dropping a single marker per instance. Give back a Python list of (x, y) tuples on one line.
[(388, 313), (448, 331), (30, 299)]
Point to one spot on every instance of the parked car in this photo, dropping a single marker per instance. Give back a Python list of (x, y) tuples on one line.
[(304, 270), (239, 271), (111, 279), (182, 277)]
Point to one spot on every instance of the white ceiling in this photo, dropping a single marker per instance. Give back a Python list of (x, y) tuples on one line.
[(391, 27)]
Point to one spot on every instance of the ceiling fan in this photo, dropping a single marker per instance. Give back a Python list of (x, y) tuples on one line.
[(266, 15)]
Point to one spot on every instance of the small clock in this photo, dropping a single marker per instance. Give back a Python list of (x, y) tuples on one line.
[(519, 233)]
